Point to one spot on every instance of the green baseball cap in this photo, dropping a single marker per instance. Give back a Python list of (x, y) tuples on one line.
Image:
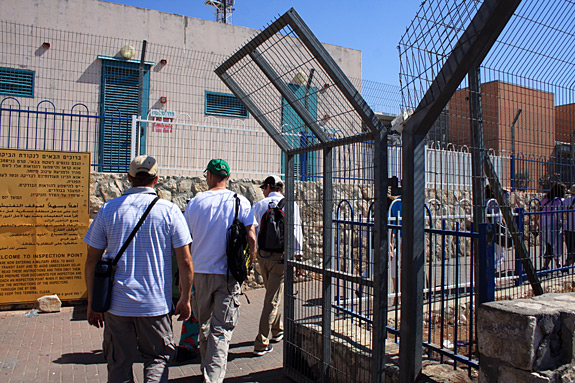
[(218, 167)]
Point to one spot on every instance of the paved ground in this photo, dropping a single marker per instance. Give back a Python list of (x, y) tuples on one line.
[(62, 347)]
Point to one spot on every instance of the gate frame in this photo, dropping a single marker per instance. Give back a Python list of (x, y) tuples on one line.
[(470, 49), (376, 131)]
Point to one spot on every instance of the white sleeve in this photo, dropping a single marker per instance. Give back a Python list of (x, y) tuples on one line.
[(298, 232)]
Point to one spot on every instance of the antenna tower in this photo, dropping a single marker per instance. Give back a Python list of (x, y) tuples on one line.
[(223, 10)]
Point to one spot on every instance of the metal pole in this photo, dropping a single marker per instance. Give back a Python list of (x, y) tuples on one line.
[(486, 285), (413, 256), (141, 96), (507, 214), (133, 134), (327, 264), (513, 170), (289, 312), (380, 255), (572, 157), (477, 170)]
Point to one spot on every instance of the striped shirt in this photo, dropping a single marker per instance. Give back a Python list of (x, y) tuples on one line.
[(143, 281)]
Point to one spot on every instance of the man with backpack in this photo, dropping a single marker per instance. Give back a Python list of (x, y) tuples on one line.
[(215, 299), (270, 217)]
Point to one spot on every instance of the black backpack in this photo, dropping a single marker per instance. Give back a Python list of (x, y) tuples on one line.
[(237, 248), (271, 236)]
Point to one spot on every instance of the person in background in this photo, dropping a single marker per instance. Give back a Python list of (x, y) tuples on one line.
[(272, 267), (394, 218), (569, 227), (187, 347), (188, 344), (494, 216), (215, 300), (551, 223), (139, 319)]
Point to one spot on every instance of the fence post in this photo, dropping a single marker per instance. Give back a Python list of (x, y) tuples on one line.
[(134, 146), (485, 262), (380, 258), (327, 288), (290, 351)]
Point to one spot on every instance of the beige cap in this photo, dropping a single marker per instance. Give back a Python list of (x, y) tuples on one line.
[(144, 163)]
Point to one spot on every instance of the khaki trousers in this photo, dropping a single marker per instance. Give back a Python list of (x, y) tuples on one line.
[(216, 305), (271, 319)]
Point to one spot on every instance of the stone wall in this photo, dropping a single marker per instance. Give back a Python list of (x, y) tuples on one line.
[(527, 340), (308, 195), (106, 186)]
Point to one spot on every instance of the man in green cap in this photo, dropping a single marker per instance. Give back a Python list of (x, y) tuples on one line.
[(215, 300)]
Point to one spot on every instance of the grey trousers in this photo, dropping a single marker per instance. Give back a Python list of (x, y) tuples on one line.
[(126, 337), (216, 304)]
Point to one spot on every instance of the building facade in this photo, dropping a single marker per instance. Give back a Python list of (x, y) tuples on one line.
[(65, 60), (521, 125)]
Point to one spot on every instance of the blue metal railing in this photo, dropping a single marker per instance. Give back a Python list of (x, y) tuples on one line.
[(450, 293), (353, 251), (44, 128)]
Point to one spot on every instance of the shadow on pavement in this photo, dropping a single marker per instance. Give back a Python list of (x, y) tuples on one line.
[(94, 357), (275, 375), (79, 313)]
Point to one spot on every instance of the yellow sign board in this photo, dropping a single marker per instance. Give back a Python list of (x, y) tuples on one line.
[(44, 199)]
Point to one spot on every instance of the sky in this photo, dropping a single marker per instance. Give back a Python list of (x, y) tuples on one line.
[(374, 27)]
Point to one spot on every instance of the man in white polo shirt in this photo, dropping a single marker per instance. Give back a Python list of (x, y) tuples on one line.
[(139, 320), (215, 298)]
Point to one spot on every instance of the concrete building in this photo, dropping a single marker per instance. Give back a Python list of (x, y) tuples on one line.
[(80, 58)]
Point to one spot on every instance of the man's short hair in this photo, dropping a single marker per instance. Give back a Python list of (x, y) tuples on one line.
[(142, 179)]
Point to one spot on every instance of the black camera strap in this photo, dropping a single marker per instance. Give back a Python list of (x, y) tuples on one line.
[(133, 233)]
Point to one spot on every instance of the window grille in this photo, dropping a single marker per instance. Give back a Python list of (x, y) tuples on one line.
[(221, 104), (17, 82), (119, 98), (294, 128)]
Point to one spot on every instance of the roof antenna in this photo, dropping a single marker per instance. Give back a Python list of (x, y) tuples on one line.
[(223, 10)]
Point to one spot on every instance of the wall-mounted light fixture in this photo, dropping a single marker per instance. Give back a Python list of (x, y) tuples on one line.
[(300, 78), (127, 52), (46, 45), (164, 62)]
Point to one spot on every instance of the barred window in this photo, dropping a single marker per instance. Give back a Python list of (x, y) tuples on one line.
[(221, 104), (16, 82)]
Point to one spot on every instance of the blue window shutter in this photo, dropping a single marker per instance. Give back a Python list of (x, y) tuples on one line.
[(297, 133), (221, 104), (17, 82), (119, 98)]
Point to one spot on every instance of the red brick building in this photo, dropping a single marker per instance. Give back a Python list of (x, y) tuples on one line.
[(535, 131)]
